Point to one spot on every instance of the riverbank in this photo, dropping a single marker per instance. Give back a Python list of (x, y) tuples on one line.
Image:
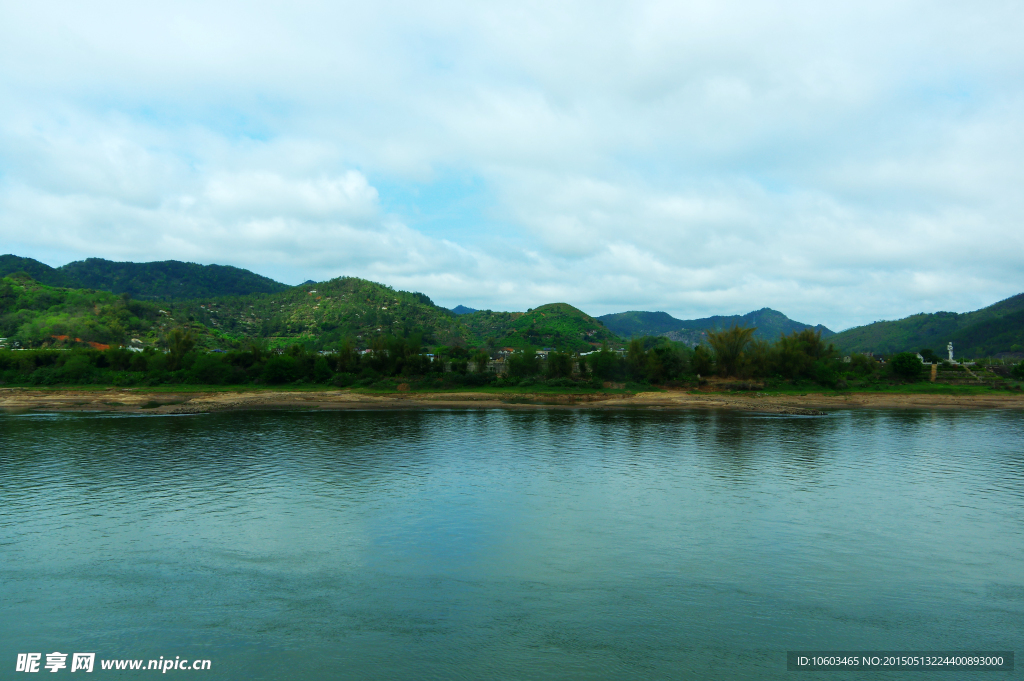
[(137, 400)]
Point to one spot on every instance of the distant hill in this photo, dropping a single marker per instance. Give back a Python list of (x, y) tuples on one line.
[(162, 281), (770, 324), (982, 333), (324, 315), (556, 325), (34, 314), (462, 309)]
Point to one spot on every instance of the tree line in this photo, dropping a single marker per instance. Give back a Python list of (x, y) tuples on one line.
[(800, 357)]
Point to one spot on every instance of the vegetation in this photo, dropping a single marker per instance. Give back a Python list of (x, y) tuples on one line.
[(324, 316), (344, 316), (557, 325), (34, 315), (906, 365), (768, 324), (982, 333), (161, 281), (797, 361), (729, 347)]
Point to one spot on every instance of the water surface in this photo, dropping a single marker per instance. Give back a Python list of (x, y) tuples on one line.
[(509, 545)]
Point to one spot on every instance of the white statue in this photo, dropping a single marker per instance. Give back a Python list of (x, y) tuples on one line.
[(949, 349)]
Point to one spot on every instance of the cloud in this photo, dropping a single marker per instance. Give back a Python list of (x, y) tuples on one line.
[(841, 162)]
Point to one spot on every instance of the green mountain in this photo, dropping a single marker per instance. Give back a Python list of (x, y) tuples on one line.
[(769, 323), (324, 315), (34, 314), (164, 281), (556, 325), (982, 333)]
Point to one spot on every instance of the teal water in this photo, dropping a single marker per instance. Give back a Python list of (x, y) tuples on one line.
[(510, 545)]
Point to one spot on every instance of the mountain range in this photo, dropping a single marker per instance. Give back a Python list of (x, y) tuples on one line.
[(769, 323), (163, 281), (992, 330), (228, 305)]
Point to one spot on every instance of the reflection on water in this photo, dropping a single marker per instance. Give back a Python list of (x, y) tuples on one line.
[(493, 544)]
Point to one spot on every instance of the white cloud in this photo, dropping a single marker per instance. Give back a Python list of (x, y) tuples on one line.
[(840, 162)]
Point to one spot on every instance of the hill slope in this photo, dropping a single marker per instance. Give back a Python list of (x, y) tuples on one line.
[(556, 325), (34, 315), (167, 280), (982, 333), (770, 324), (326, 314)]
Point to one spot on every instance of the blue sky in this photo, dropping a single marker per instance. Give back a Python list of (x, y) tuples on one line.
[(840, 162)]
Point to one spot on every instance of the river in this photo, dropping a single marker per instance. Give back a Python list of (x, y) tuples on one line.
[(499, 544)]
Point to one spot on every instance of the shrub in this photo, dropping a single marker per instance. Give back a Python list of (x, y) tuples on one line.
[(702, 361), (825, 372), (279, 369), (906, 365), (210, 369), (559, 365)]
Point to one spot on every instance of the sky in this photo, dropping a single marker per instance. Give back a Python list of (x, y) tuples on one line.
[(841, 162)]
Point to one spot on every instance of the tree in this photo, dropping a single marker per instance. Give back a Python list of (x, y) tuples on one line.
[(729, 346), (179, 343), (559, 365), (702, 361), (605, 364), (760, 358), (636, 359), (796, 353), (523, 364), (906, 365), (480, 360)]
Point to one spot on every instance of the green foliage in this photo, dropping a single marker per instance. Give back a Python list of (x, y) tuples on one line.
[(862, 364), (605, 364), (324, 316), (729, 348), (168, 280), (480, 360), (523, 364), (768, 324), (906, 365), (36, 315), (703, 361), (795, 355), (1018, 371), (557, 325), (560, 365), (179, 343), (984, 332)]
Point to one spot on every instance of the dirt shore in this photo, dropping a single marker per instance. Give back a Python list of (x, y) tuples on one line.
[(142, 401)]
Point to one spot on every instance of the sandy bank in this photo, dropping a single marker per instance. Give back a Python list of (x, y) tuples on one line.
[(141, 401)]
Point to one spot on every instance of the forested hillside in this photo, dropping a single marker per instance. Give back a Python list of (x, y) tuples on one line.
[(98, 301), (770, 325), (319, 316), (985, 332), (161, 281), (36, 315), (324, 315), (557, 325)]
